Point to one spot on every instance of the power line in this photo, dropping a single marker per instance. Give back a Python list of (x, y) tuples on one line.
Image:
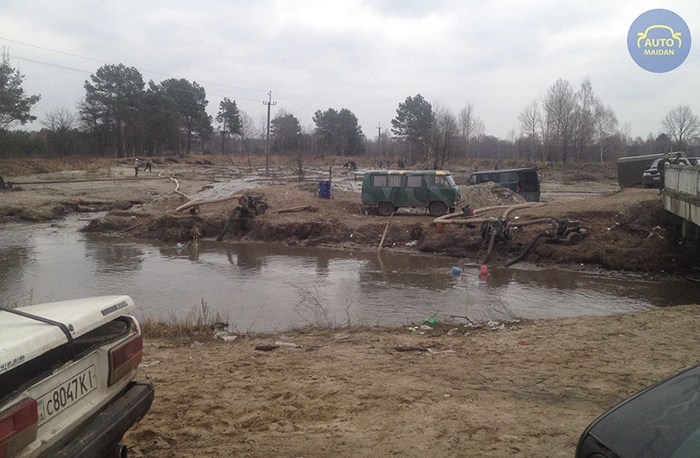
[(91, 59), (54, 50), (64, 67), (112, 63)]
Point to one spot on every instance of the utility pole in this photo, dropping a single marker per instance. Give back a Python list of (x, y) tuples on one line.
[(267, 138), (379, 137)]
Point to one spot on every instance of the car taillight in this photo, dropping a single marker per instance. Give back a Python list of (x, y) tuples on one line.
[(18, 427), (124, 358)]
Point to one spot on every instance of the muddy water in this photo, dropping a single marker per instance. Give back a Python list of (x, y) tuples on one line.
[(263, 287)]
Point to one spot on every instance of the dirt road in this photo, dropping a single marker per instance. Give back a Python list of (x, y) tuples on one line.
[(525, 390)]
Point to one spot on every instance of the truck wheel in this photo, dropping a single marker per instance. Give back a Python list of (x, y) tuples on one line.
[(437, 208), (385, 208)]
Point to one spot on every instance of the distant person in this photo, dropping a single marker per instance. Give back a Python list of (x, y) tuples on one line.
[(148, 166), (661, 167), (679, 160), (381, 164), (137, 166)]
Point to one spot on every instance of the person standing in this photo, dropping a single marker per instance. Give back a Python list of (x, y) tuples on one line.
[(661, 167), (137, 165), (148, 166)]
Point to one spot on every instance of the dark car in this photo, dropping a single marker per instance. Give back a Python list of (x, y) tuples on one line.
[(660, 421), (651, 178)]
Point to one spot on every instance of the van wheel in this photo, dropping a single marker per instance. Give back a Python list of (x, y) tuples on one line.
[(437, 208), (385, 208)]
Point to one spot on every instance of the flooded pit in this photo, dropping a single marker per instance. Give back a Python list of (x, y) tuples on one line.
[(270, 287)]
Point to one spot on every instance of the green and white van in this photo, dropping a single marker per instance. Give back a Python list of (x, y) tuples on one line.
[(389, 190)]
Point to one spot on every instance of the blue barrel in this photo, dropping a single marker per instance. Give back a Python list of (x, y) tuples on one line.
[(324, 189)]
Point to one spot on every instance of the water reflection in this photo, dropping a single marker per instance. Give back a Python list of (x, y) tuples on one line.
[(265, 287), (14, 259), (115, 257), (399, 270)]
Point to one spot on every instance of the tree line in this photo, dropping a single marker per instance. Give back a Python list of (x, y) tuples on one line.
[(123, 116)]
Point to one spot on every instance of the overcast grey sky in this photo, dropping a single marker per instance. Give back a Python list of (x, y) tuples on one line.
[(367, 56)]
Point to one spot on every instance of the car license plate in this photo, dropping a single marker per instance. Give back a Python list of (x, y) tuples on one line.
[(66, 394)]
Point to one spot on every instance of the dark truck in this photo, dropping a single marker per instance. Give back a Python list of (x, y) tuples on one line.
[(524, 181)]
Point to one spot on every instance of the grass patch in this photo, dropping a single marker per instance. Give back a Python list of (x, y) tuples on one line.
[(200, 324)]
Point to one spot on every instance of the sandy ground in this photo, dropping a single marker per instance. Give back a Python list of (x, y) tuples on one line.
[(523, 389), (526, 390)]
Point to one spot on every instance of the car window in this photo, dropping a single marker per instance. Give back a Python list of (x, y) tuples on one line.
[(395, 181), (379, 181), (414, 181), (441, 182)]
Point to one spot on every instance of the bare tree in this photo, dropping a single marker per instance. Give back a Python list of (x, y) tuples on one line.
[(584, 119), (605, 126), (445, 132), (626, 132), (559, 105), (530, 123), (59, 118), (60, 123), (682, 125), (471, 127), (248, 132)]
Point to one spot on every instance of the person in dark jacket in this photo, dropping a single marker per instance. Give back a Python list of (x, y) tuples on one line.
[(661, 167)]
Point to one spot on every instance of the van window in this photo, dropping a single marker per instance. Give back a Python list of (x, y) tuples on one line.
[(441, 182), (379, 180), (414, 181), (395, 181)]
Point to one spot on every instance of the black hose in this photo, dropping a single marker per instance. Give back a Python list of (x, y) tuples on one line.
[(236, 213), (491, 240), (525, 251)]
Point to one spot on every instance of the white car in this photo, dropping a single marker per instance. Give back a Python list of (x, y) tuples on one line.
[(67, 378)]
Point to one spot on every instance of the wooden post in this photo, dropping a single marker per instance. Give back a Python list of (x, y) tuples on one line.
[(381, 242)]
